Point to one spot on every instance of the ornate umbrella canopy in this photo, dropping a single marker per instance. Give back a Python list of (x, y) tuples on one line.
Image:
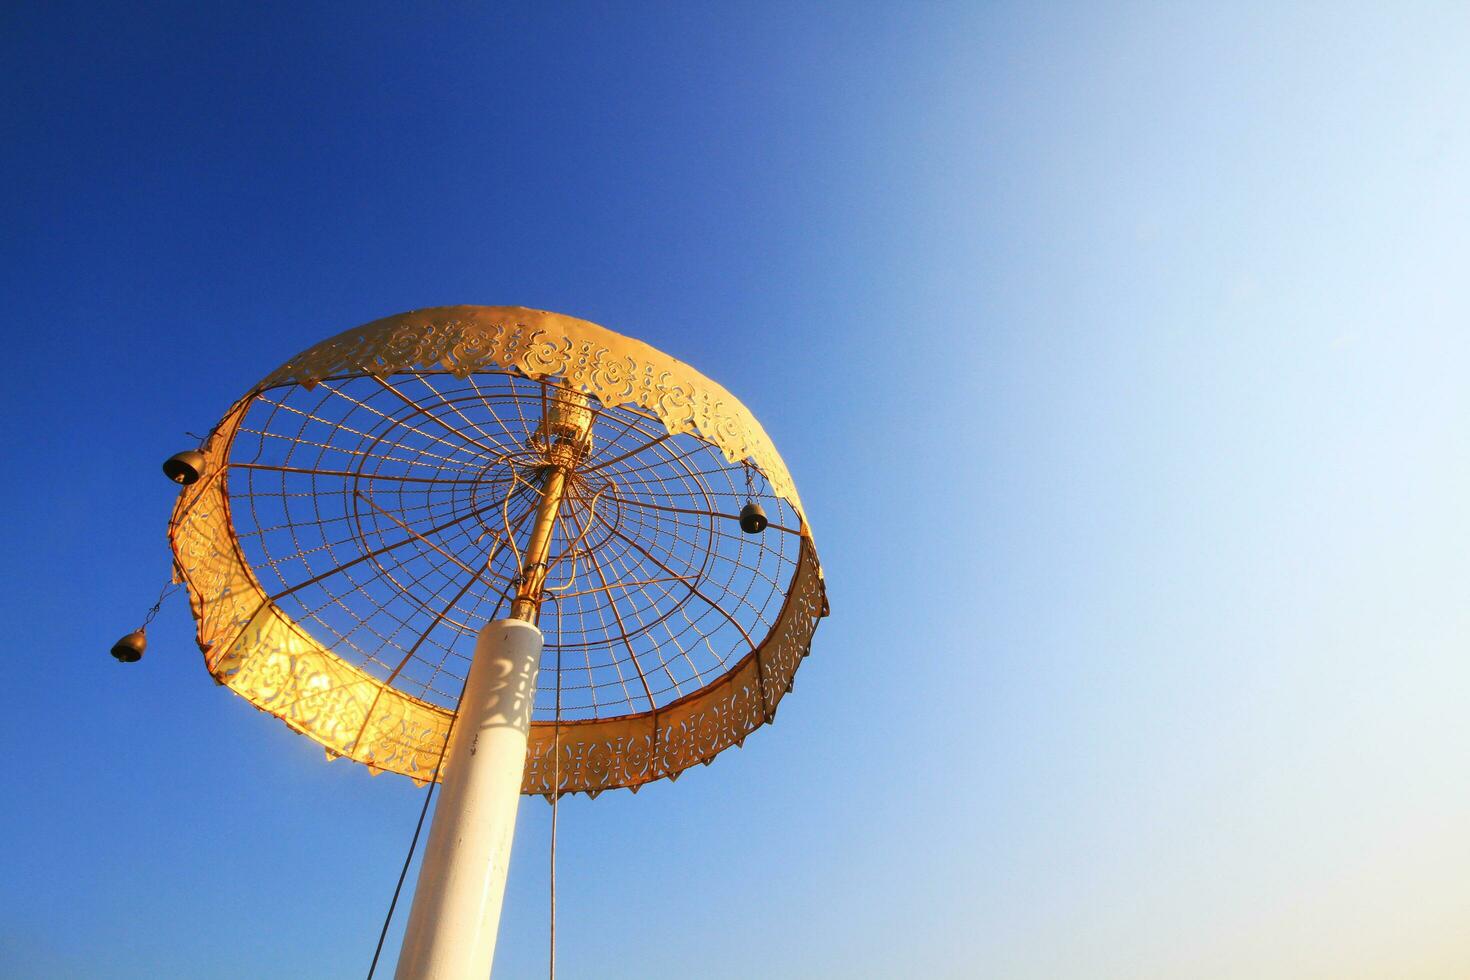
[(362, 512)]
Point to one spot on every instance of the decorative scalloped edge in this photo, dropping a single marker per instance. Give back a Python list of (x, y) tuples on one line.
[(256, 649)]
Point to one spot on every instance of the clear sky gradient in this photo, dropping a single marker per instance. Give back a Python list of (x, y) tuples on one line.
[(1120, 354)]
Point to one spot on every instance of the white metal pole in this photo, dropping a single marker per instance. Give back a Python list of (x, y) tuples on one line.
[(456, 903)]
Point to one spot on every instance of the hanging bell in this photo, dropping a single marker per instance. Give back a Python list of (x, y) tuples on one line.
[(753, 518), (129, 650), (184, 468)]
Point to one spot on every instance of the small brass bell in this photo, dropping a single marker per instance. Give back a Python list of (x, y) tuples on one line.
[(753, 518), (129, 650), (184, 468)]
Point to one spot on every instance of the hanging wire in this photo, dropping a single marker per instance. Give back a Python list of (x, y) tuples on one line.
[(413, 844), (555, 786), (169, 588), (423, 812)]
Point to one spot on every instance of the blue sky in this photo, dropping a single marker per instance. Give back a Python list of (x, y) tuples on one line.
[(1119, 354)]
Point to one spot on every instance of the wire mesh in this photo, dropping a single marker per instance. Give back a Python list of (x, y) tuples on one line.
[(386, 514)]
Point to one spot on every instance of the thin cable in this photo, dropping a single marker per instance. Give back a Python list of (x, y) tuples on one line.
[(169, 588), (413, 845), (555, 785), (419, 827)]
